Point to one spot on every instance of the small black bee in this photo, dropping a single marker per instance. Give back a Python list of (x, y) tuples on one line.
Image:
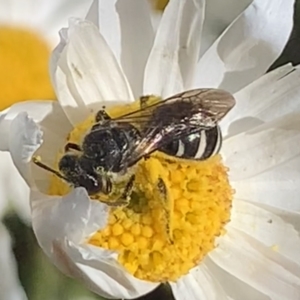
[(184, 125)]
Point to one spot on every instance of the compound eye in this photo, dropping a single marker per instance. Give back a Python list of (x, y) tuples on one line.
[(87, 177)]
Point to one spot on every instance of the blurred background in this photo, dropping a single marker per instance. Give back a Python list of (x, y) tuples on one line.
[(40, 279)]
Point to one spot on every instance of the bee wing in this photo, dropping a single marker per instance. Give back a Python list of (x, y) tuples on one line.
[(211, 104), (155, 137), (215, 103), (206, 108)]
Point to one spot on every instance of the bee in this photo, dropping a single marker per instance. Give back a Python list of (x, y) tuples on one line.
[(184, 126)]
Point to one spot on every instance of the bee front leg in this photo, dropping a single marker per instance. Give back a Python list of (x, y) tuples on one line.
[(124, 199), (72, 146), (167, 204)]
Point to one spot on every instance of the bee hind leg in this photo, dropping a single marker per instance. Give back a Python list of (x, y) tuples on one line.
[(167, 204)]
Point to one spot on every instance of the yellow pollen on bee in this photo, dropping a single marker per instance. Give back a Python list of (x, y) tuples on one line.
[(159, 239), (24, 60)]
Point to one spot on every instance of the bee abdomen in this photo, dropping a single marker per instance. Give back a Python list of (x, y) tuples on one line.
[(198, 146)]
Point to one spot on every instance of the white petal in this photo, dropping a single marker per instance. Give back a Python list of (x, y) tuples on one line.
[(87, 73), (126, 26), (267, 98), (155, 18), (198, 284), (177, 42), (190, 37), (3, 191), (17, 13), (56, 54), (26, 138), (10, 287), (162, 74), (73, 217), (62, 225), (93, 13), (106, 277), (234, 287), (51, 17), (5, 12), (278, 187), (92, 65), (290, 217), (218, 15), (263, 147), (267, 228), (109, 25), (137, 40), (257, 266), (17, 130), (35, 109), (13, 189), (4, 129), (248, 47)]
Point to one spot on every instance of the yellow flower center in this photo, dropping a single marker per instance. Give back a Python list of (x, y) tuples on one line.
[(160, 4), (24, 59), (160, 239)]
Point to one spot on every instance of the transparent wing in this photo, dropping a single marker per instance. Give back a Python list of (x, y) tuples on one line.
[(176, 117), (156, 137), (208, 106)]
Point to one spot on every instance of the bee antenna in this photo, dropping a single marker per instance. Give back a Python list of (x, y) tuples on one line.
[(37, 161)]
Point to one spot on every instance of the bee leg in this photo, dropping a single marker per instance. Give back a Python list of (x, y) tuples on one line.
[(116, 203), (102, 115), (124, 199), (128, 190), (72, 146), (167, 204)]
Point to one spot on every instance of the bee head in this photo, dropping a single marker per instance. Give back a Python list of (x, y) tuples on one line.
[(80, 172)]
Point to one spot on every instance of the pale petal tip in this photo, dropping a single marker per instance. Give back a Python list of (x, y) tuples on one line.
[(29, 133)]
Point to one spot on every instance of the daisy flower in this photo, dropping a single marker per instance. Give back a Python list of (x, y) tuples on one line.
[(28, 33), (234, 218)]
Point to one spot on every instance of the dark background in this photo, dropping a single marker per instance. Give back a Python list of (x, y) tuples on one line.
[(42, 280)]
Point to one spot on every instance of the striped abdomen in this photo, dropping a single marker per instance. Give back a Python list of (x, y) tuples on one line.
[(199, 146)]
